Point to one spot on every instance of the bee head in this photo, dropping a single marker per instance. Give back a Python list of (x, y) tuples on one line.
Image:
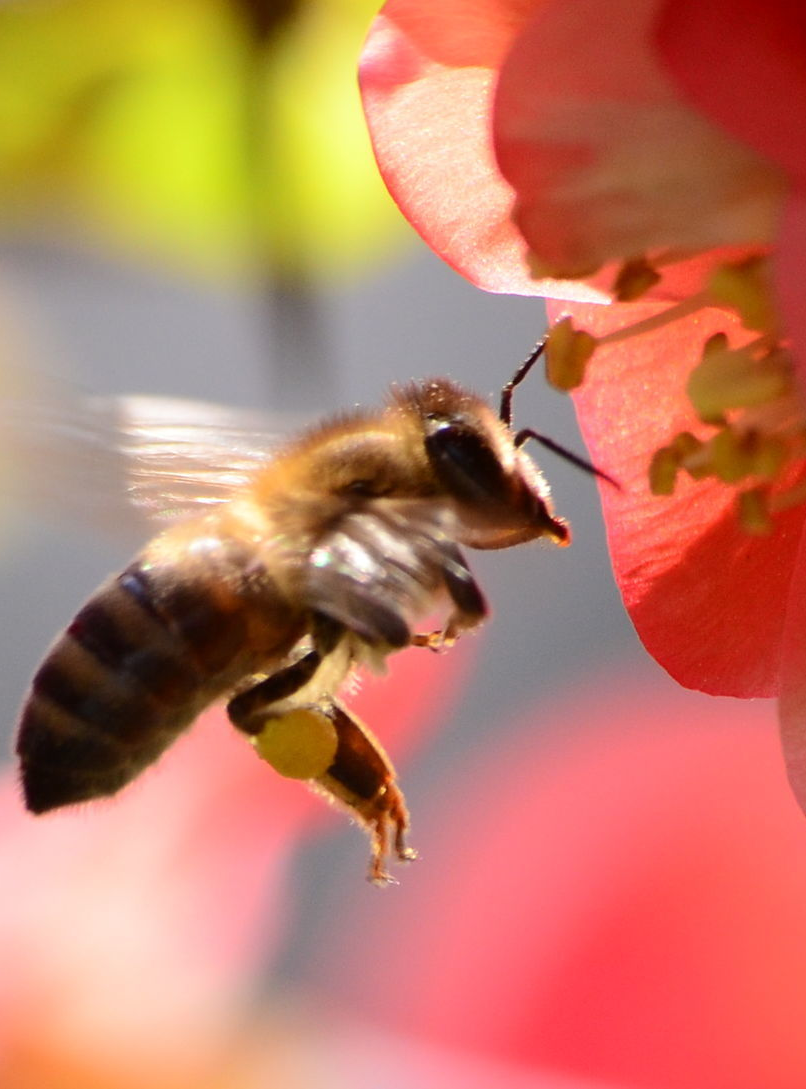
[(499, 494)]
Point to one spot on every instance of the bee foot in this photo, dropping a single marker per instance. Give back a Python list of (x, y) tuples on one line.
[(393, 818), (437, 641)]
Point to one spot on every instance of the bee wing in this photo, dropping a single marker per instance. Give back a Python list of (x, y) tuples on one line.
[(94, 457), (381, 566), (181, 456)]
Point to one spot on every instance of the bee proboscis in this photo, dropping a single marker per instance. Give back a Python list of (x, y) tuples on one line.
[(309, 562)]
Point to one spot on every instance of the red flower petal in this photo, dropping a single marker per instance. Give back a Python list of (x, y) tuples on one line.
[(792, 703), (790, 260), (628, 906), (605, 156), (427, 73), (748, 46), (707, 599), (768, 40)]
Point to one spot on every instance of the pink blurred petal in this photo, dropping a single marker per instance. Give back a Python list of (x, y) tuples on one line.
[(743, 38), (137, 925), (133, 922), (352, 1045), (633, 909)]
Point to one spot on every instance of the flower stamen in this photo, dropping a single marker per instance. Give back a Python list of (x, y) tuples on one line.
[(747, 394), (744, 287), (567, 353), (634, 279), (729, 378), (754, 511), (664, 317)]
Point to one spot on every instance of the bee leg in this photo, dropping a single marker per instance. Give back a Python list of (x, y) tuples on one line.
[(248, 710), (363, 779), (470, 608), (340, 758)]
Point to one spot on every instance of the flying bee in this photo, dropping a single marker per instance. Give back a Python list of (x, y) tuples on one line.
[(301, 567)]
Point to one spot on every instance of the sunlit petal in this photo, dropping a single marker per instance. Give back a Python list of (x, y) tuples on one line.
[(707, 599), (427, 91), (606, 158)]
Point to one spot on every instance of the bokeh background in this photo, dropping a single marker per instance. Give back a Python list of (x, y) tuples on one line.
[(612, 887)]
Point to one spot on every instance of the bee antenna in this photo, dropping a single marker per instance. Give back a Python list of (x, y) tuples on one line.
[(527, 433), (505, 412)]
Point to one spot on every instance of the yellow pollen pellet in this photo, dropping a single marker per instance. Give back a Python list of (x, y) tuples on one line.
[(567, 352), (300, 744), (745, 287)]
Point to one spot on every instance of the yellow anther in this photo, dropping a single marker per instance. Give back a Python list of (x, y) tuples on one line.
[(300, 744), (728, 378), (682, 452), (635, 278), (567, 352), (685, 445), (717, 342), (745, 288), (754, 513), (766, 454), (690, 455), (729, 458), (663, 471), (746, 395), (733, 455), (540, 270)]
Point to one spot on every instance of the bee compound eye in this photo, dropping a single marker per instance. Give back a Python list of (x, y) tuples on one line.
[(464, 461)]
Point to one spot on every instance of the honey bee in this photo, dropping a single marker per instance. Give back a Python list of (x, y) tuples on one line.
[(309, 563)]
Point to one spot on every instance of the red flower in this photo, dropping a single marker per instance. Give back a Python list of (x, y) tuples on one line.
[(633, 912), (627, 143), (540, 125)]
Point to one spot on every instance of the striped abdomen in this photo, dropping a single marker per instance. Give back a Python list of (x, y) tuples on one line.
[(144, 656)]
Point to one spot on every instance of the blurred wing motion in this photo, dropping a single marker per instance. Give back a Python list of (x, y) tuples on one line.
[(378, 568), (181, 455), (96, 458)]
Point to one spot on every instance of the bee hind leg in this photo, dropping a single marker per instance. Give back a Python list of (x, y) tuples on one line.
[(341, 759), (248, 710), (363, 780), (324, 744)]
